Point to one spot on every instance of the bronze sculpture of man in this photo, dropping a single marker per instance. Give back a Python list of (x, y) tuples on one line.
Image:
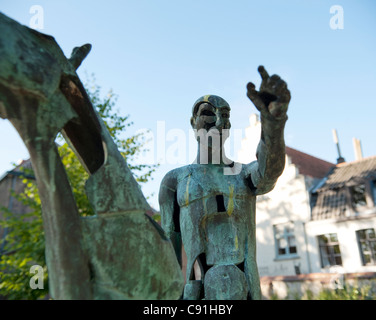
[(209, 206)]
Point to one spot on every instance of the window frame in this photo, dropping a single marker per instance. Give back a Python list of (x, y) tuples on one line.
[(329, 249), (358, 200), (286, 236), (370, 242)]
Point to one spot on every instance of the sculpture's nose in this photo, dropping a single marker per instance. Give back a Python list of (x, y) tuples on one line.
[(219, 123), (222, 122)]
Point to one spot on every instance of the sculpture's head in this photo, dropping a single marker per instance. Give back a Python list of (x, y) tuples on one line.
[(211, 112)]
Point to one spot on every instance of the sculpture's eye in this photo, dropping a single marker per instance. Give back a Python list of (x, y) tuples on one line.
[(225, 115), (207, 113)]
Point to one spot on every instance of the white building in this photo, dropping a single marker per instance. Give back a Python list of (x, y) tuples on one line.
[(343, 220), (320, 217)]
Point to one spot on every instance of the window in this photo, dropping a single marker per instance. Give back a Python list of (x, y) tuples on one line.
[(285, 240), (329, 250), (367, 246), (358, 196), (314, 197)]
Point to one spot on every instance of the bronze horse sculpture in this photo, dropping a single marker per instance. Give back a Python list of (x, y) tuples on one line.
[(120, 253)]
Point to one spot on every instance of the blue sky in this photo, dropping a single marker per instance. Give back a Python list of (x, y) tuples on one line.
[(160, 56)]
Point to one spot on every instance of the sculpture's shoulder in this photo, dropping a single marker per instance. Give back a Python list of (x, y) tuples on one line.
[(172, 178), (249, 168)]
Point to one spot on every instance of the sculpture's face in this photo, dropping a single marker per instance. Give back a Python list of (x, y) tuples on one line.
[(209, 117), (213, 121)]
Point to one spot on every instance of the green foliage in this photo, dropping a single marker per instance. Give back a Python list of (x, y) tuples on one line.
[(129, 146), (309, 295), (347, 293), (24, 247), (274, 296), (24, 244)]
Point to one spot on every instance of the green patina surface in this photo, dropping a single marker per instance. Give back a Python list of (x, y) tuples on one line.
[(209, 207), (118, 254)]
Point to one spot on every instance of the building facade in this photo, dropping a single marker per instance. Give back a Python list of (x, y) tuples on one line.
[(320, 217), (282, 214), (11, 182), (343, 222)]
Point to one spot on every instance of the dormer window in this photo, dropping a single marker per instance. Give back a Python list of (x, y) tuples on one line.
[(358, 196), (347, 192)]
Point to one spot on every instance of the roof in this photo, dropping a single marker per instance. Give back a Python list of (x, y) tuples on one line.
[(17, 170), (350, 173), (309, 165), (332, 197)]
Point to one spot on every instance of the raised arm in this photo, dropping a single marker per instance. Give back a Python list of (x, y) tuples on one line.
[(170, 212), (272, 101)]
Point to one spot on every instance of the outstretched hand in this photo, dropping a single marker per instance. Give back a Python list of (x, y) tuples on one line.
[(273, 96)]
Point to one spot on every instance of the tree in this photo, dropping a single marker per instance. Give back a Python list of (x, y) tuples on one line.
[(24, 244)]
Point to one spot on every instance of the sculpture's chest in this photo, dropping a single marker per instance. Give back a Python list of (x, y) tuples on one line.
[(215, 214), (203, 182)]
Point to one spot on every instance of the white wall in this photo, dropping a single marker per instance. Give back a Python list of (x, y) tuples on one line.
[(289, 201), (346, 233)]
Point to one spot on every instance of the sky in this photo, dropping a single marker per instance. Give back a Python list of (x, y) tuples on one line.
[(158, 57)]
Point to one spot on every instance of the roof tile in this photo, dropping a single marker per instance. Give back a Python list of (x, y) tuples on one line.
[(309, 165)]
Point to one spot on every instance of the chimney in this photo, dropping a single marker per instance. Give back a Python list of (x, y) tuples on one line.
[(340, 159), (357, 149)]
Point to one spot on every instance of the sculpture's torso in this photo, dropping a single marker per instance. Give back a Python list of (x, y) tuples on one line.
[(216, 215)]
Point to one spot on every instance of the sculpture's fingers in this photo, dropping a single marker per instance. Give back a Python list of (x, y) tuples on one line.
[(280, 88), (253, 95), (250, 86), (275, 77), (264, 74), (283, 93), (281, 84)]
